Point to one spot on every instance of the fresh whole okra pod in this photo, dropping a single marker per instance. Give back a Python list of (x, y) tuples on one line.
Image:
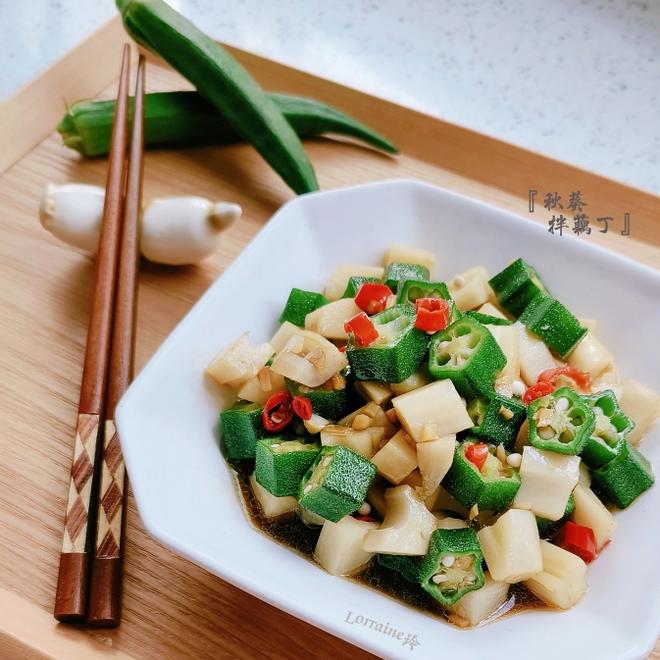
[(225, 83), (187, 119)]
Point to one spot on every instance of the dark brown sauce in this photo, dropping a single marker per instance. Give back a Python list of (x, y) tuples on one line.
[(293, 533)]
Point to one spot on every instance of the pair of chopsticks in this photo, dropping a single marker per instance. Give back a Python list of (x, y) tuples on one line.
[(89, 580)]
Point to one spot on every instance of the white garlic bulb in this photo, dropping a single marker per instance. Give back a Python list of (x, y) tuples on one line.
[(174, 230)]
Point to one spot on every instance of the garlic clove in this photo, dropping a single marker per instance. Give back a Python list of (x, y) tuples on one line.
[(73, 212), (184, 230)]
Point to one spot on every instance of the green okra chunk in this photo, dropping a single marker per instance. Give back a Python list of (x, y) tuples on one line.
[(467, 354), (452, 566), (547, 318), (354, 284), (327, 402), (516, 286), (299, 304), (625, 477), (241, 427), (496, 420), (405, 565), (610, 430), (547, 528), (562, 421), (337, 483), (487, 319), (411, 290), (491, 488), (398, 351), (397, 272), (281, 464)]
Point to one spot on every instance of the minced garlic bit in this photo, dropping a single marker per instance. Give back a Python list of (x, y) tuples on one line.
[(474, 512), (514, 460), (505, 412), (361, 422), (500, 453), (338, 382)]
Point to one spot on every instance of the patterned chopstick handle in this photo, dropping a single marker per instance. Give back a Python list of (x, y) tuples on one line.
[(105, 591), (70, 603)]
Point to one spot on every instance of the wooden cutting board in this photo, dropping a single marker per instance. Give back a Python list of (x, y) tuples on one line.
[(172, 608)]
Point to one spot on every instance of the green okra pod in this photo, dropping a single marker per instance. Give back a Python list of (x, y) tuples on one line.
[(186, 119), (225, 83)]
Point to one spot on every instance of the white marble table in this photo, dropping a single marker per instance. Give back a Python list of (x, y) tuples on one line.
[(576, 80)]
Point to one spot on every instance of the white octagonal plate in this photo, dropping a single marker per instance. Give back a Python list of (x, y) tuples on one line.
[(185, 492)]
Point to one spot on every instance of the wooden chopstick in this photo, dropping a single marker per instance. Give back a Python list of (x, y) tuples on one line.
[(105, 591), (79, 527)]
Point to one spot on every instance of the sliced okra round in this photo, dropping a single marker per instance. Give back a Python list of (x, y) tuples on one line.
[(491, 487), (466, 353), (452, 566), (562, 422), (610, 429)]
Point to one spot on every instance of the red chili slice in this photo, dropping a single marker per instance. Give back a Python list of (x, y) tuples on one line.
[(302, 406), (372, 297), (576, 375), (432, 314), (277, 412), (536, 391), (361, 327), (579, 540), (477, 454), (364, 518)]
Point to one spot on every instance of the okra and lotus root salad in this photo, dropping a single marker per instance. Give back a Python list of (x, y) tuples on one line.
[(466, 436)]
